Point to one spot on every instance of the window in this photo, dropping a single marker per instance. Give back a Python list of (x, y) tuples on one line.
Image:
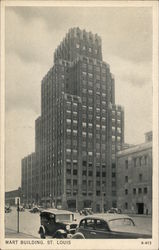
[(75, 172), (134, 161), (140, 190), (98, 193), (68, 171), (98, 183), (126, 164), (140, 177), (101, 225), (84, 182), (126, 178), (68, 150), (113, 174), (90, 223), (146, 159), (84, 163), (126, 191), (126, 205), (84, 124), (68, 182), (134, 190), (145, 190), (74, 182), (84, 172), (98, 174), (90, 173), (103, 174)]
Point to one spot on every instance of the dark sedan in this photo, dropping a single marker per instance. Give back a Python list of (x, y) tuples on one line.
[(109, 226)]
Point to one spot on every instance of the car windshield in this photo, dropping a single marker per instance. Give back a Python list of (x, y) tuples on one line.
[(64, 217), (121, 222)]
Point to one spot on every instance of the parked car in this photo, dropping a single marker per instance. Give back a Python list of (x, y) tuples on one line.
[(109, 226), (35, 210), (57, 223), (87, 211), (21, 209), (114, 211), (8, 209)]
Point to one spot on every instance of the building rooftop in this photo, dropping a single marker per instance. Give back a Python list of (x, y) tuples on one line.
[(135, 148)]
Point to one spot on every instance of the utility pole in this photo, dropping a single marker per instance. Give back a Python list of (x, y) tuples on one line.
[(18, 199)]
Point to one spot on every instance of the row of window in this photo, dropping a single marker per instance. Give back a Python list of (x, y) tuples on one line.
[(138, 190), (140, 177), (84, 48), (137, 161), (97, 84), (90, 68)]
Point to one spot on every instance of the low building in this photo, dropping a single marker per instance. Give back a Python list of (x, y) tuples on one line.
[(10, 196), (134, 178)]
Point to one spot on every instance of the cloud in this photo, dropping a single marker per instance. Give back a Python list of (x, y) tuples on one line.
[(125, 32), (133, 90), (136, 73), (32, 42), (19, 137), (23, 83), (32, 34)]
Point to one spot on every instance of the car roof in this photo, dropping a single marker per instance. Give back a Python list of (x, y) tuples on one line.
[(56, 211), (108, 217)]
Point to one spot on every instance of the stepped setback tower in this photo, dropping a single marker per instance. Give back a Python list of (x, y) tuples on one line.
[(79, 131)]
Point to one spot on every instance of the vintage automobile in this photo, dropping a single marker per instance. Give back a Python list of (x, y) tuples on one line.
[(35, 210), (21, 208), (114, 211), (87, 211), (109, 226), (57, 223), (7, 209)]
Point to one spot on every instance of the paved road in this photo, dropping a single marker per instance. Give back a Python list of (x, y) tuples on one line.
[(29, 223)]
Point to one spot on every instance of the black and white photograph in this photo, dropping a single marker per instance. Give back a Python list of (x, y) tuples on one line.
[(79, 125)]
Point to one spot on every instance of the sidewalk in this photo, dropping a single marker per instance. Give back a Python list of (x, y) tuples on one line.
[(141, 215), (10, 233)]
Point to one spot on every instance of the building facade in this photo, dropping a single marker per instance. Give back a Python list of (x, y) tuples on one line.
[(80, 128), (29, 179), (134, 178), (11, 196)]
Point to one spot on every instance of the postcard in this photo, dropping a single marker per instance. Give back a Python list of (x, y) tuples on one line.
[(79, 125)]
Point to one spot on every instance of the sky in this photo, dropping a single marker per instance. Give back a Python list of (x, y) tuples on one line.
[(31, 36)]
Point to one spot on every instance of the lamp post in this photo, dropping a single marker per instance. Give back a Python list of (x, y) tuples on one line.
[(50, 200)]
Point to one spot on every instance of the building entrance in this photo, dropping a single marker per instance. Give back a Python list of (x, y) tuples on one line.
[(87, 203), (140, 208), (71, 204)]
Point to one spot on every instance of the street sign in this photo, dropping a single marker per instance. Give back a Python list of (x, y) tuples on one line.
[(17, 200)]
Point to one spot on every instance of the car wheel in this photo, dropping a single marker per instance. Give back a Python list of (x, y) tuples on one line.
[(78, 236), (61, 236), (42, 234)]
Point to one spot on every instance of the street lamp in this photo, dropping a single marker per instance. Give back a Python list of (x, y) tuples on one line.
[(50, 200)]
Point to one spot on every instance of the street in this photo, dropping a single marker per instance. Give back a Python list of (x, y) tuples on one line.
[(29, 223)]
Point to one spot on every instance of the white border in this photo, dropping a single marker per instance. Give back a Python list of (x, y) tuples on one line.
[(88, 244)]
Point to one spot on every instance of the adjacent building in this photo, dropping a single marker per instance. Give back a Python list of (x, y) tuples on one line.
[(10, 196), (29, 177), (79, 131), (134, 178)]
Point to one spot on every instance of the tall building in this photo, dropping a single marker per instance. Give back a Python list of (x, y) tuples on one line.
[(80, 128), (134, 178)]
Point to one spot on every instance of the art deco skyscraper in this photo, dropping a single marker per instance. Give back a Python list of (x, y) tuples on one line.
[(80, 128)]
